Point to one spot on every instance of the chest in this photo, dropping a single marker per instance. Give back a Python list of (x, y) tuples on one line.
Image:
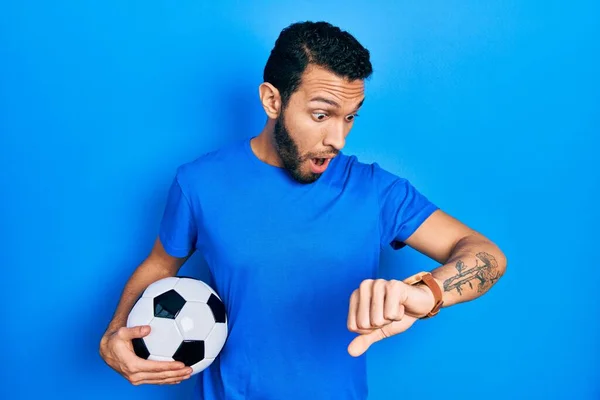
[(304, 231)]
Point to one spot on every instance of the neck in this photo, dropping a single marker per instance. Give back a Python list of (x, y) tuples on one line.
[(263, 146)]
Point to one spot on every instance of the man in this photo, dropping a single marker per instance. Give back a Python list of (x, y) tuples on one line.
[(292, 229)]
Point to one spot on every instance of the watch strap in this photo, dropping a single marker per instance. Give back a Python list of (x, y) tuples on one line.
[(431, 283)]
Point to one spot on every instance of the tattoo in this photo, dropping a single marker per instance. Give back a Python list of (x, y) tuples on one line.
[(487, 274)]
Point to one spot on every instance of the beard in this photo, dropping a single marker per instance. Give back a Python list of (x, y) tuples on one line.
[(289, 154)]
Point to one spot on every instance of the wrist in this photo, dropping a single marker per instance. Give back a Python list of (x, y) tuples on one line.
[(430, 303), (431, 294), (105, 338), (102, 346)]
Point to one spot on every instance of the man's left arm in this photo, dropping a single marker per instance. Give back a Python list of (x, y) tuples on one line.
[(471, 263)]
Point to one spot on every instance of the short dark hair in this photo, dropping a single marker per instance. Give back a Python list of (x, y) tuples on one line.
[(318, 43)]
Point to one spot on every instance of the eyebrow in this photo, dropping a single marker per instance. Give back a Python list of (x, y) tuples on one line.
[(333, 103)]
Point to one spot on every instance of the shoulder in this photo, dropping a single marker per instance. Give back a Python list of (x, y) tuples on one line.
[(353, 168), (213, 163)]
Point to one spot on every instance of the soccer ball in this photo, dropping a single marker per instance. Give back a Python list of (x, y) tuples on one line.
[(187, 320)]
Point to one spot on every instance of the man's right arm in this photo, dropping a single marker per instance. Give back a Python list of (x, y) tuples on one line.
[(115, 345)]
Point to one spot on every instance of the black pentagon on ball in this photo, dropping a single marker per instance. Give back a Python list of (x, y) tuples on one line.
[(217, 307), (168, 304), (190, 352), (140, 349)]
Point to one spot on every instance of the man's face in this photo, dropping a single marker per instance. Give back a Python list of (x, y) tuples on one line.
[(313, 127)]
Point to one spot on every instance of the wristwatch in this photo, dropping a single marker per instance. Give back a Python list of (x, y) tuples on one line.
[(428, 280)]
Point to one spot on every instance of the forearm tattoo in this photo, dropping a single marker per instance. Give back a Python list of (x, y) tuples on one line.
[(486, 274)]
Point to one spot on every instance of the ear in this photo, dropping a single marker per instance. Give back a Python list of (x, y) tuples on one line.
[(270, 99)]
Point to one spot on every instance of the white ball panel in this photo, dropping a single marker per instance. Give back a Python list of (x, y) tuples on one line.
[(193, 290), (141, 313), (195, 320), (160, 286), (164, 337), (202, 365), (215, 340), (153, 357)]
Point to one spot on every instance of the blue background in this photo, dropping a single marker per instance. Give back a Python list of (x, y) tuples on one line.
[(490, 108)]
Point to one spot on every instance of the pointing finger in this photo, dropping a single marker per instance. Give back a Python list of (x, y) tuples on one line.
[(158, 366)]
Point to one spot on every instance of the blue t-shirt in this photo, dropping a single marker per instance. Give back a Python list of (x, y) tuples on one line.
[(285, 258)]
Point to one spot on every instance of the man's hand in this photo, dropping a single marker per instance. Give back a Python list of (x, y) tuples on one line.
[(381, 308), (117, 351)]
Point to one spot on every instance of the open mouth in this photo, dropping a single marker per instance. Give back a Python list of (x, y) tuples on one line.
[(319, 165)]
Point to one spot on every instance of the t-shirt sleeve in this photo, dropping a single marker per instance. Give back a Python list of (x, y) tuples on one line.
[(178, 231), (402, 208)]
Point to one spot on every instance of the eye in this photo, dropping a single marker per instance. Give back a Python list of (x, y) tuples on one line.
[(320, 116), (351, 117)]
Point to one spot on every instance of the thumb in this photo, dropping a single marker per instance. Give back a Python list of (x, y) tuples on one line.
[(361, 343), (134, 332)]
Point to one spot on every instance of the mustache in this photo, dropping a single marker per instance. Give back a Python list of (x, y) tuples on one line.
[(330, 154)]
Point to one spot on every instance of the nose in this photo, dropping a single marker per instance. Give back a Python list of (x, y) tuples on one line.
[(336, 137)]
